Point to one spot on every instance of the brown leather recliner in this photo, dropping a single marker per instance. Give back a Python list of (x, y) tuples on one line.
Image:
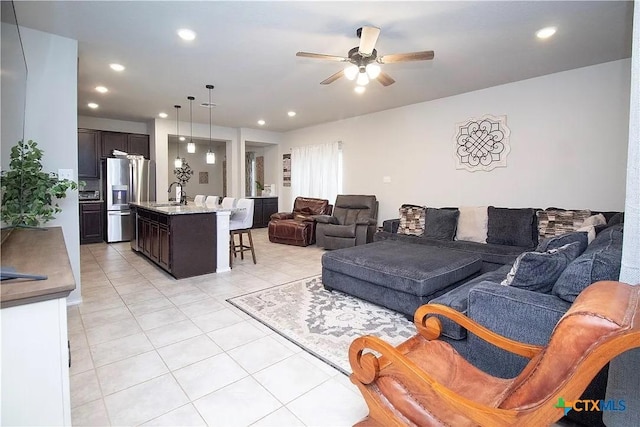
[(425, 382), (298, 227), (354, 222)]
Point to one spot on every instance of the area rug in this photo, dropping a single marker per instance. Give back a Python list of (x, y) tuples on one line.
[(323, 323)]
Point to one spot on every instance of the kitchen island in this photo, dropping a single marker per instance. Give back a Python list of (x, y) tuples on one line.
[(183, 240)]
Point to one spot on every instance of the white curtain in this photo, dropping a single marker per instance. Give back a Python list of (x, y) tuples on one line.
[(316, 171)]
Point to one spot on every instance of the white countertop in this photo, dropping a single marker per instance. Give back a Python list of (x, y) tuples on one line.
[(171, 208)]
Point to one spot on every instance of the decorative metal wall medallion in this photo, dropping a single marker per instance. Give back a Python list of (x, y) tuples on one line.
[(482, 143), (184, 173)]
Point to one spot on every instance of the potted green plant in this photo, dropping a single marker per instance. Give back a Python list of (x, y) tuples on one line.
[(29, 195)]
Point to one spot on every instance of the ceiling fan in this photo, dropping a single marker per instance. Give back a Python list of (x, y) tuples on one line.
[(364, 60)]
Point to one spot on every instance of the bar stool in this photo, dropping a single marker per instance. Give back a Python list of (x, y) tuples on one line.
[(212, 201), (199, 199), (241, 224), (228, 203)]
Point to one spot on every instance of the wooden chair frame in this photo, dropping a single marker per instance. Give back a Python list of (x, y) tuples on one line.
[(366, 368)]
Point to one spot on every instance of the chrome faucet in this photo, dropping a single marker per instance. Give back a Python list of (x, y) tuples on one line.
[(171, 187)]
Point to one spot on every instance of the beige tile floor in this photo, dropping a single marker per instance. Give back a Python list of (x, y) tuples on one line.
[(148, 349)]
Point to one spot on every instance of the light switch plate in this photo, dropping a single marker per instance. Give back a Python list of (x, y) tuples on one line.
[(65, 174), (386, 179)]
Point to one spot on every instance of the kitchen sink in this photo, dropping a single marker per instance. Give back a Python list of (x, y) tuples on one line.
[(164, 205)]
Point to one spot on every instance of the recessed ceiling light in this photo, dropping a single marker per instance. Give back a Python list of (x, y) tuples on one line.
[(186, 34), (102, 89), (261, 122), (92, 105), (182, 138), (163, 115), (291, 113), (359, 89), (546, 32), (116, 67)]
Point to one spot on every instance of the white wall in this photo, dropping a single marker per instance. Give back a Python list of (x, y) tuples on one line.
[(51, 121), (100, 123), (197, 162), (568, 146), (235, 138)]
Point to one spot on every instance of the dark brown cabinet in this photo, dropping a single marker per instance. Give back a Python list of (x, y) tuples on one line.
[(138, 144), (91, 228), (163, 249), (263, 208), (183, 245), (88, 153), (113, 141), (131, 143)]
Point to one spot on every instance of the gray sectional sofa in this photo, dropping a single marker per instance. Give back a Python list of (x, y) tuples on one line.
[(402, 272)]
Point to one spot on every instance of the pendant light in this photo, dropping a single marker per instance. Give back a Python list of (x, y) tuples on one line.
[(191, 146), (211, 156), (177, 163)]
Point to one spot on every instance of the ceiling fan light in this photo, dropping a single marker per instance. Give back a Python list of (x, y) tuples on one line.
[(363, 79), (373, 71), (191, 147), (351, 71), (177, 163), (211, 157)]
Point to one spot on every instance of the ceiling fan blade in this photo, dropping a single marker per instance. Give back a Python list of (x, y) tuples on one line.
[(385, 79), (332, 78), (322, 56), (404, 57), (368, 39)]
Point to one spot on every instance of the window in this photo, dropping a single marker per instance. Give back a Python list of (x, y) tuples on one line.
[(316, 170)]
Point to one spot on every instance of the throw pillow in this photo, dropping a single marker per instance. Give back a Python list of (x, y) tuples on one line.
[(590, 230), (600, 261), (553, 222), (441, 224), (538, 271), (563, 239), (472, 224), (616, 219), (594, 220), (412, 220), (511, 227)]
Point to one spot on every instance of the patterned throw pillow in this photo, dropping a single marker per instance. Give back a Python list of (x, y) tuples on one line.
[(538, 271), (412, 220), (555, 222)]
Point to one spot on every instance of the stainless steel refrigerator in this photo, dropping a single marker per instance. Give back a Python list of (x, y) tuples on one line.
[(126, 180)]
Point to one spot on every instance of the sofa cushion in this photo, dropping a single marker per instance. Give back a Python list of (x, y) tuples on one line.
[(553, 222), (458, 299), (441, 224), (491, 254), (538, 271), (511, 227), (472, 224), (345, 231), (414, 269), (412, 220), (600, 261), (562, 239)]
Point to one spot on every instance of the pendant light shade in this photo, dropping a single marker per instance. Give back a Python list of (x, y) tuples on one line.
[(211, 156), (177, 163), (191, 146)]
